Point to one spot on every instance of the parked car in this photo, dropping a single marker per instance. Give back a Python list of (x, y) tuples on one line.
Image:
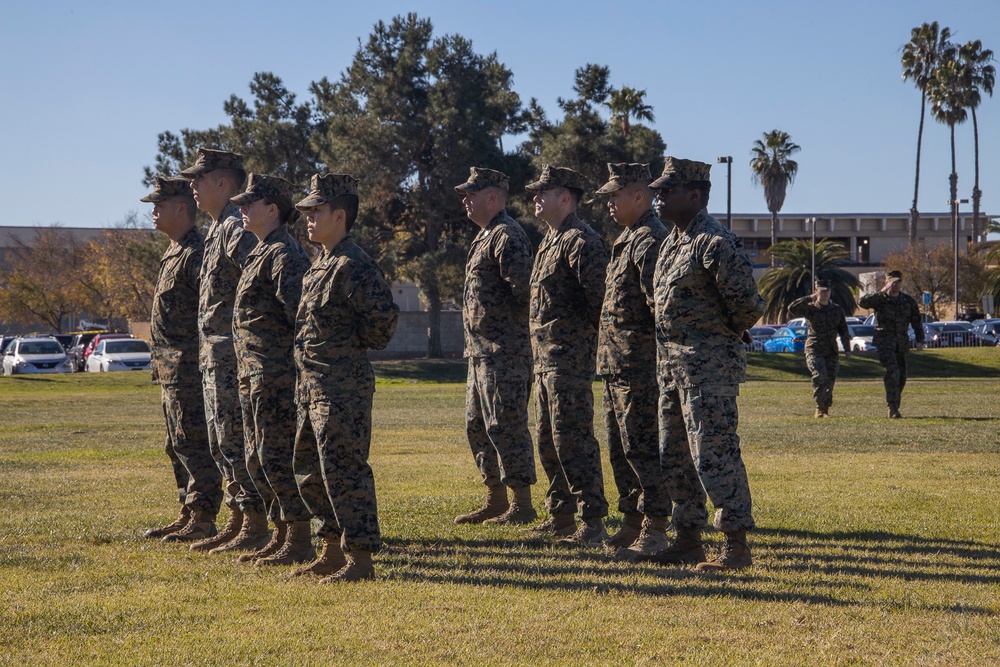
[(81, 339), (854, 319), (96, 340), (37, 354), (119, 354), (759, 335), (798, 322), (787, 339), (948, 334), (5, 341), (989, 331)]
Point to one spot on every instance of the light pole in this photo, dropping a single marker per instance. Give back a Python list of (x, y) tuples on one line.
[(812, 225), (728, 161), (954, 224)]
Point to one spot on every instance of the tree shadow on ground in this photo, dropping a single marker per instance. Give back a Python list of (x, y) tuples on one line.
[(422, 370)]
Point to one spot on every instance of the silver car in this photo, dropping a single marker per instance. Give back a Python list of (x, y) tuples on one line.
[(38, 354)]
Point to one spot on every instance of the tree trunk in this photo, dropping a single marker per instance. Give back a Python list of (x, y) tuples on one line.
[(914, 215), (976, 194), (774, 236), (433, 323)]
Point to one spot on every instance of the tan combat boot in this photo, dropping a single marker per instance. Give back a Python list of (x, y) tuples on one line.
[(686, 549), (231, 530), (496, 504), (277, 539), (651, 541), (253, 535), (520, 511), (182, 520), (735, 555), (560, 525), (590, 533), (628, 533), (330, 561), (200, 526), (297, 548), (358, 568)]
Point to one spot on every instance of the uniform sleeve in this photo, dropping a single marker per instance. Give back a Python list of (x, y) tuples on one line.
[(872, 301), (286, 273), (372, 300), (800, 307), (916, 321), (514, 259), (589, 260), (646, 254), (239, 243), (734, 279)]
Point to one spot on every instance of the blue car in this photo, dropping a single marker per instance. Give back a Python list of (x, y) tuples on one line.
[(787, 339)]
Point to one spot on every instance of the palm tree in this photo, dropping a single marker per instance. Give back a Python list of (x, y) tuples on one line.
[(921, 56), (981, 76), (626, 103), (780, 285), (949, 95), (773, 168)]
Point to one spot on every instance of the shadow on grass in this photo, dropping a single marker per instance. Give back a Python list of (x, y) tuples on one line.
[(422, 370), (541, 564)]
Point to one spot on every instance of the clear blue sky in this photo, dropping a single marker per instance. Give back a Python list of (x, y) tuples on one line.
[(86, 86)]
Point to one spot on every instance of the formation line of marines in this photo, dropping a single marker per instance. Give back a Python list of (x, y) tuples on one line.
[(267, 388)]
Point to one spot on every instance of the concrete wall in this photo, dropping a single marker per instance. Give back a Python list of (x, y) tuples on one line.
[(410, 339)]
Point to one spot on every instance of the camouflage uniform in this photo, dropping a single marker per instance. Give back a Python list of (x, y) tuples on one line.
[(892, 341), (567, 290), (227, 245), (267, 299), (706, 298), (174, 365), (495, 317), (346, 309), (822, 357), (626, 360)]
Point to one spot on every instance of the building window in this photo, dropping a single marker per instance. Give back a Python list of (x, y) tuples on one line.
[(864, 249)]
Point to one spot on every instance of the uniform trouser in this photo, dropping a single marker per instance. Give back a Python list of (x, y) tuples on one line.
[(633, 447), (332, 444), (567, 448), (224, 417), (269, 425), (892, 354), (700, 453), (823, 368), (199, 482), (496, 420)]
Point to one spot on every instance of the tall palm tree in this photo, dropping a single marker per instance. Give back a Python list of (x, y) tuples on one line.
[(626, 103), (949, 96), (981, 75), (773, 168), (921, 56), (780, 285)]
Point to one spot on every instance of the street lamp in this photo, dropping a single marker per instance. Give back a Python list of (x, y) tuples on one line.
[(954, 223), (728, 161), (812, 224)]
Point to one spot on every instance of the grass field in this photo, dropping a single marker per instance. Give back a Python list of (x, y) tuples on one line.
[(877, 542)]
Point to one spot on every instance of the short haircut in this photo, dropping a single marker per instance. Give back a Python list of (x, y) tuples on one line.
[(575, 195), (704, 187), (190, 206), (348, 204), (236, 177)]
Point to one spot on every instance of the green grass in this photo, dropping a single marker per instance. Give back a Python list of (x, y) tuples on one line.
[(877, 541)]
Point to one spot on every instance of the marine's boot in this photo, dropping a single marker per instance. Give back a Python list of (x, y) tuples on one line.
[(591, 533), (628, 533), (200, 526), (496, 504), (894, 412), (651, 541), (735, 554), (330, 561), (686, 549), (182, 520), (253, 535), (560, 525), (821, 410), (231, 530), (520, 511), (297, 548), (277, 539), (358, 568)]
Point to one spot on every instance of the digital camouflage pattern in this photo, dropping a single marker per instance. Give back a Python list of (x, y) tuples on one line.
[(895, 316), (164, 188), (557, 177), (481, 178), (327, 187), (623, 174), (227, 246), (346, 309), (567, 292), (706, 298), (210, 159), (626, 358), (826, 323), (174, 366), (497, 342), (678, 171), (267, 299), (568, 451)]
